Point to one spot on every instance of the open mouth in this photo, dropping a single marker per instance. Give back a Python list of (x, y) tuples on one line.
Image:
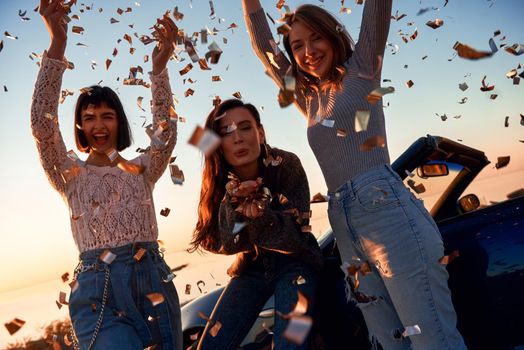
[(100, 139)]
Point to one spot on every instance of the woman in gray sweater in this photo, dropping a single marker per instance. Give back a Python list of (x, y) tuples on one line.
[(389, 244), (254, 203)]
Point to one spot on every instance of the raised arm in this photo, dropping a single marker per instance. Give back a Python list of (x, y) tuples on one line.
[(369, 50), (163, 143), (44, 107)]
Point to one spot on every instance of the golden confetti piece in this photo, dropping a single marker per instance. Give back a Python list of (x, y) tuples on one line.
[(205, 140), (74, 285), (361, 120), (372, 142), (345, 10), (515, 49), (271, 58), (146, 58), (410, 83), (155, 298), (178, 16), (186, 69), (463, 100), (58, 304), (139, 100), (214, 53), (165, 212), (139, 254), (493, 96), (411, 330), (189, 92), (113, 21), (342, 133), (203, 64), (502, 162), (77, 30), (112, 154), (215, 329), (299, 280), (298, 328), (65, 277), (511, 74), (9, 36), (283, 29), (188, 289), (62, 296), (396, 17), (14, 325), (1, 45), (418, 188), (128, 38), (437, 23), (216, 78), (446, 259), (414, 35), (319, 198), (237, 95), (486, 87), (93, 307), (506, 121), (190, 49), (177, 176), (107, 256), (470, 53), (375, 95)]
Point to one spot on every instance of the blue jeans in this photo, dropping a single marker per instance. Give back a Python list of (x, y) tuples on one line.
[(128, 320), (377, 220), (244, 297)]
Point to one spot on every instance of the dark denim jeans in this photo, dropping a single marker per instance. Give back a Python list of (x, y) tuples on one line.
[(130, 321), (244, 297)]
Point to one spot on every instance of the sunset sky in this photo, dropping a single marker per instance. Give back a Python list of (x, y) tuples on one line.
[(35, 235)]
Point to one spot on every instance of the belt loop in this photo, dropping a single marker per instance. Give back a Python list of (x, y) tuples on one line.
[(351, 191)]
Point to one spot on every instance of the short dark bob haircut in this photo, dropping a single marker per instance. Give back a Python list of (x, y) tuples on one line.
[(96, 95)]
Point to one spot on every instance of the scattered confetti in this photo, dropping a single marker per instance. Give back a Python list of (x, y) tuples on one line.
[(409, 83), (107, 256), (206, 140), (14, 325), (361, 120), (470, 53), (372, 142), (177, 176), (446, 259), (165, 212), (155, 298), (437, 23), (502, 162)]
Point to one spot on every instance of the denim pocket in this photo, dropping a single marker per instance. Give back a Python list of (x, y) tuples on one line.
[(376, 195)]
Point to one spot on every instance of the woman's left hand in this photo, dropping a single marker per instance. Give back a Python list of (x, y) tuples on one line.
[(253, 209), (166, 33)]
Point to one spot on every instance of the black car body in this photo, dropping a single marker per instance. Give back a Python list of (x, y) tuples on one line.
[(486, 277)]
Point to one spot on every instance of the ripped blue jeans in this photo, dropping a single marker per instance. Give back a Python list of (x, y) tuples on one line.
[(390, 248), (125, 304)]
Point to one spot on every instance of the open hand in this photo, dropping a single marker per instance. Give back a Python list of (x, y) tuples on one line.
[(53, 14), (166, 32)]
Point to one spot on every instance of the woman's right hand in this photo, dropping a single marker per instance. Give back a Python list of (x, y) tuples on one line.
[(53, 14)]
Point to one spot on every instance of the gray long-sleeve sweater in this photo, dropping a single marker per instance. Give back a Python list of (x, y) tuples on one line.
[(340, 157)]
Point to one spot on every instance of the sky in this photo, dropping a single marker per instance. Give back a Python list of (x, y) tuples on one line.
[(35, 236)]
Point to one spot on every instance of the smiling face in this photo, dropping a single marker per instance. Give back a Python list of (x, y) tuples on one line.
[(312, 52), (241, 140), (100, 127)]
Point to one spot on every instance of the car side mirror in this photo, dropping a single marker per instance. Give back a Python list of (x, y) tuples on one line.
[(469, 203), (433, 170)]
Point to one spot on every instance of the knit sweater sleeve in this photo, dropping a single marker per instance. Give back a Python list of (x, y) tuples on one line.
[(374, 30), (263, 43), (44, 122), (280, 230), (162, 143)]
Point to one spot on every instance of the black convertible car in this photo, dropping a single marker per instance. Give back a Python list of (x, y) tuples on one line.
[(486, 275)]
